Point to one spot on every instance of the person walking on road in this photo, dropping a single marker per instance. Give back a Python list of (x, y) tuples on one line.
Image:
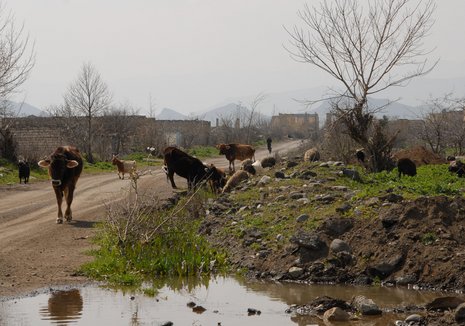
[(268, 144)]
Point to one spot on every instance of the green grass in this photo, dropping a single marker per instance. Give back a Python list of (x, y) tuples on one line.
[(202, 152), (176, 249), (9, 173)]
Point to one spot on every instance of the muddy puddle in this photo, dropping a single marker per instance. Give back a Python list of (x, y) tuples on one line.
[(225, 301)]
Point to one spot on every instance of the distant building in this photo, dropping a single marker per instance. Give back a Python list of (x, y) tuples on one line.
[(302, 125)]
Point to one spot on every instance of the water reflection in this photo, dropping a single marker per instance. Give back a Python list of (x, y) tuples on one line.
[(225, 300), (63, 307)]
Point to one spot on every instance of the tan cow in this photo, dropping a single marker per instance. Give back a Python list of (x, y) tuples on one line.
[(236, 152)]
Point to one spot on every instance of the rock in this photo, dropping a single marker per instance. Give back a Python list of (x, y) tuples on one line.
[(280, 198), (444, 303), (296, 195), (365, 306), (339, 188), (353, 174), (389, 221), (338, 245), (303, 201), (191, 304), (199, 309), (253, 311), (302, 218), (344, 208), (306, 175), (392, 198), (310, 246), (279, 175), (324, 165), (167, 323), (264, 180), (295, 272), (336, 226), (460, 313), (415, 318), (291, 164), (324, 303), (406, 279), (386, 268), (336, 314)]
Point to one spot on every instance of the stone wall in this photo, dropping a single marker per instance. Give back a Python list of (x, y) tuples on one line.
[(304, 125), (37, 137)]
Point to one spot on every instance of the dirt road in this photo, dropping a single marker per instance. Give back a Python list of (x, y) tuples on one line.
[(36, 253)]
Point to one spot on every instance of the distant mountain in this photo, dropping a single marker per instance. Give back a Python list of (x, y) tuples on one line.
[(228, 112), (25, 109), (391, 110), (168, 114)]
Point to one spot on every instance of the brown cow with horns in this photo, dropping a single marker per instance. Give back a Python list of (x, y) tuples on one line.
[(64, 168), (236, 152)]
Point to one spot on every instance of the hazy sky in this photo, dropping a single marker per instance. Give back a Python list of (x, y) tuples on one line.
[(188, 55)]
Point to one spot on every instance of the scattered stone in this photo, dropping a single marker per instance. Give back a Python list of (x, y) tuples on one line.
[(296, 195), (191, 304), (339, 188), (302, 218), (295, 272), (336, 226), (338, 245), (264, 180), (199, 309), (460, 313), (303, 201), (365, 306), (291, 164), (444, 303), (386, 268), (344, 208), (280, 198), (406, 279), (415, 318), (392, 198), (310, 247), (279, 175), (324, 165), (253, 311), (306, 175), (167, 323), (336, 314), (353, 174)]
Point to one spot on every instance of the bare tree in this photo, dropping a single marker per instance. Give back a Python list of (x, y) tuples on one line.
[(88, 96), (444, 125), (252, 114), (367, 47), (17, 55)]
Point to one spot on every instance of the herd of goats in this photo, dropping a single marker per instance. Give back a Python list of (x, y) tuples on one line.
[(65, 165)]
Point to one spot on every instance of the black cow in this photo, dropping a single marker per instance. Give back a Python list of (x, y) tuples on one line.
[(457, 167), (191, 168), (64, 167), (407, 167), (23, 171), (360, 155)]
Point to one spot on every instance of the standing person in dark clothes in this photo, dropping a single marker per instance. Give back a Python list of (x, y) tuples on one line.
[(268, 144)]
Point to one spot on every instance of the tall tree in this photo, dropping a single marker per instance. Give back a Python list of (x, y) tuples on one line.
[(88, 96), (17, 57), (367, 47)]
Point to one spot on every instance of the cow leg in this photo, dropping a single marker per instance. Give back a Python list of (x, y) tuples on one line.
[(69, 192), (59, 196), (171, 177)]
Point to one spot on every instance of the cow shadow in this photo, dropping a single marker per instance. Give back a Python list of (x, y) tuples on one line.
[(83, 224)]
